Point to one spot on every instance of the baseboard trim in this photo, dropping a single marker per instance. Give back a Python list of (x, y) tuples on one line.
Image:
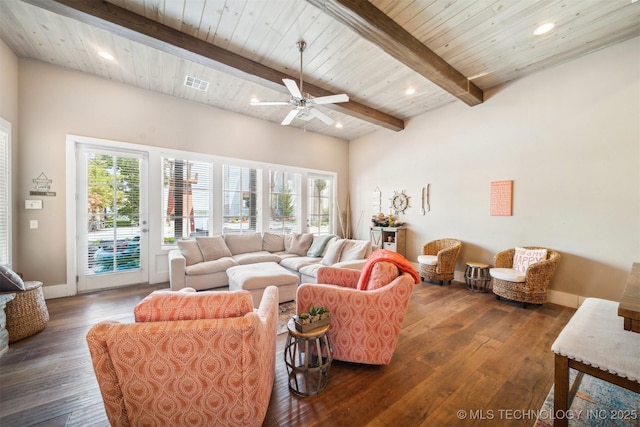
[(56, 291)]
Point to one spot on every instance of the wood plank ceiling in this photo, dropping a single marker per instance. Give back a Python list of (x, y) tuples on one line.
[(373, 51)]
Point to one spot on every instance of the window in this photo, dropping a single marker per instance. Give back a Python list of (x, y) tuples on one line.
[(284, 188), (185, 199), (241, 201), (5, 192), (320, 206)]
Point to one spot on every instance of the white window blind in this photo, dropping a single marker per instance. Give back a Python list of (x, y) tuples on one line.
[(320, 205), (5, 193), (113, 196), (284, 188), (241, 199), (186, 196)]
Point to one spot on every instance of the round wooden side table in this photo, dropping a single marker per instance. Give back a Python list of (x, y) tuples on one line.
[(308, 356), (477, 277)]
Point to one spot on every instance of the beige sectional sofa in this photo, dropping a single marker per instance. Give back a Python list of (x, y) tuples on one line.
[(202, 263)]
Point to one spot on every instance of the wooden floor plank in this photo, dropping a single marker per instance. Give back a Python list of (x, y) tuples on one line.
[(458, 350)]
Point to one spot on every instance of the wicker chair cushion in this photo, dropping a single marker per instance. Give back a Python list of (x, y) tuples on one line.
[(428, 259), (9, 280), (523, 258), (508, 274)]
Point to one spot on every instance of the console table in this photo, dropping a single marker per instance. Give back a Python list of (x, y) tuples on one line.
[(390, 238)]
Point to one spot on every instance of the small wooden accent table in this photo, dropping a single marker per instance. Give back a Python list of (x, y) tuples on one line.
[(308, 356), (629, 307)]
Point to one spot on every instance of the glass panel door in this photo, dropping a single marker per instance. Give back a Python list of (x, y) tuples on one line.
[(112, 231)]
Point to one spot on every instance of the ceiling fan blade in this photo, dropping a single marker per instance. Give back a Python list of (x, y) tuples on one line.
[(293, 87), (331, 99), (292, 115), (322, 116), (271, 103)]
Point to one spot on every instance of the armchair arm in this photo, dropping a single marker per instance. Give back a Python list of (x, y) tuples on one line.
[(177, 268), (539, 275), (447, 258), (343, 277)]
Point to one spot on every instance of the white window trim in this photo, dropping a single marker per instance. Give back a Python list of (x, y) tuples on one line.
[(5, 127)]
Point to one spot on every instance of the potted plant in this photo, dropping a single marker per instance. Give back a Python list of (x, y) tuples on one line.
[(313, 318)]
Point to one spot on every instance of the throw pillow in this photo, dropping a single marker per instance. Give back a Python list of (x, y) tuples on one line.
[(319, 243), (354, 250), (9, 280), (273, 242), (523, 258), (169, 305), (334, 249), (300, 244), (382, 274), (213, 247), (243, 243), (190, 250)]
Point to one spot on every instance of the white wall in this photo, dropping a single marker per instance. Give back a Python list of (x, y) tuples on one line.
[(55, 102), (568, 137)]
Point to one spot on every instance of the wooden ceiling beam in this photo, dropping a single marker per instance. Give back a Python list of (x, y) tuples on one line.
[(373, 25), (142, 30)]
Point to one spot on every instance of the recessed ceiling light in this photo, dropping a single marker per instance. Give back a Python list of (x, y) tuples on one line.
[(410, 91), (544, 28), (254, 100), (106, 55), (339, 125)]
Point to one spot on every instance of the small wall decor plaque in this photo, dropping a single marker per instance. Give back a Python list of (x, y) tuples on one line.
[(501, 198), (42, 185)]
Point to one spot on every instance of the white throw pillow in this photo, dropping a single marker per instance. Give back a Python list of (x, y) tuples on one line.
[(190, 250), (300, 244), (332, 255), (354, 250), (523, 258), (213, 247)]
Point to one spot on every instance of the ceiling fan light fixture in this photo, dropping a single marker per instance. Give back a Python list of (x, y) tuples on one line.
[(544, 29)]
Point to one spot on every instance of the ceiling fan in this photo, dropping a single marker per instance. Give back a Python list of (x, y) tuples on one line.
[(304, 104)]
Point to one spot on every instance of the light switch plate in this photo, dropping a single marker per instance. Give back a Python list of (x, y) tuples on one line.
[(33, 204), (33, 224)]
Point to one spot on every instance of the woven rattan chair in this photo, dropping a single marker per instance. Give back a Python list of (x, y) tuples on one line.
[(438, 260), (27, 313), (530, 289)]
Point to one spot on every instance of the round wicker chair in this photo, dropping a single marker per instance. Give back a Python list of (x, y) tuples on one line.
[(27, 313), (438, 260), (537, 277)]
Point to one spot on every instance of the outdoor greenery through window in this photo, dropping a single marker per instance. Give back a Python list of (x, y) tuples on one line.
[(319, 205), (241, 201), (284, 188), (185, 199), (113, 202)]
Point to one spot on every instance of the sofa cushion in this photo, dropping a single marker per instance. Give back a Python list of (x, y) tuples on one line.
[(9, 280), (382, 274), (213, 247), (508, 274), (297, 262), (169, 305), (207, 267), (332, 255), (353, 250), (273, 242), (523, 258), (190, 250), (256, 257), (243, 243), (300, 244), (319, 244)]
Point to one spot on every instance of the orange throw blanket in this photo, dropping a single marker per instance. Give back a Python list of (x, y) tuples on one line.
[(389, 256)]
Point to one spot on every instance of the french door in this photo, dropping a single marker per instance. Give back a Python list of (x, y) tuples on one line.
[(111, 215)]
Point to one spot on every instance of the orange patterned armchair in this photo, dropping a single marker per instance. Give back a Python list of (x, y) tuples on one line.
[(204, 358), (366, 315)]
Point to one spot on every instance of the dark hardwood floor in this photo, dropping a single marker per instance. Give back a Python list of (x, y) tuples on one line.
[(463, 358)]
